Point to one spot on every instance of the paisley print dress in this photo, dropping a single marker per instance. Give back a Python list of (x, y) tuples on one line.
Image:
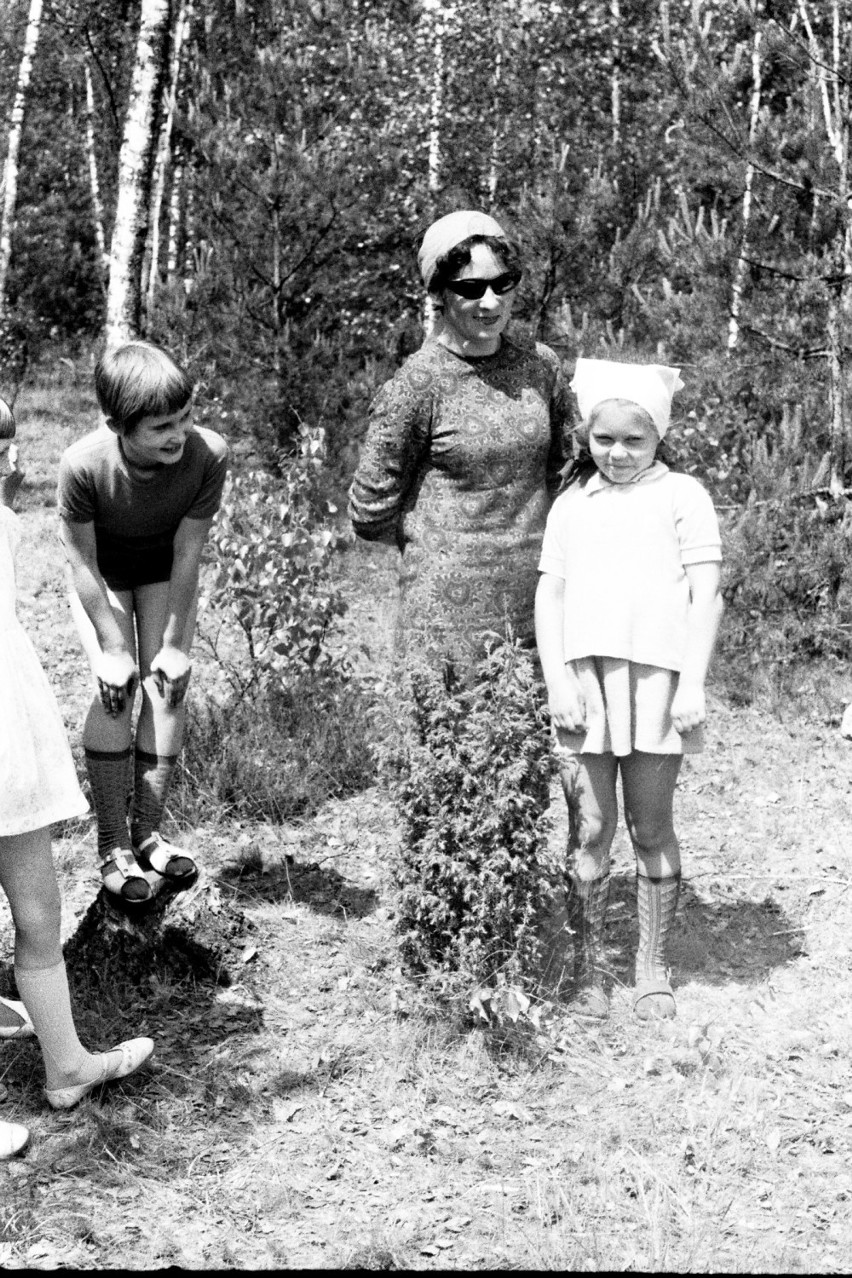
[(460, 462)]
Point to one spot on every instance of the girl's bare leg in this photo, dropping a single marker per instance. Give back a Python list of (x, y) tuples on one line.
[(28, 877)]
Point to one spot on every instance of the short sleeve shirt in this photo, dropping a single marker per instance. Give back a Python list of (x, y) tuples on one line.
[(622, 551), (136, 516)]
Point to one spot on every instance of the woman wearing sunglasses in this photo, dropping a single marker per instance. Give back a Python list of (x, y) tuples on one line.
[(463, 452)]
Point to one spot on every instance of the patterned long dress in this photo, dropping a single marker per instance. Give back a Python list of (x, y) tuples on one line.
[(460, 462)]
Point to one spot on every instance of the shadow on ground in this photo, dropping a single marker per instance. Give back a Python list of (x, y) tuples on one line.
[(712, 942), (321, 888)]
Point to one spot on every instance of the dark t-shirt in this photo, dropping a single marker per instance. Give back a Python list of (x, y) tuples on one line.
[(137, 515)]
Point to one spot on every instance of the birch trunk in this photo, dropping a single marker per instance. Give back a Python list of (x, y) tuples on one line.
[(494, 161), (832, 82), (134, 177), (94, 181), (742, 266), (10, 169), (436, 111), (615, 79), (164, 149)]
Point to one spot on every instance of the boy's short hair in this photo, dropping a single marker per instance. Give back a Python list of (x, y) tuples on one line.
[(140, 380)]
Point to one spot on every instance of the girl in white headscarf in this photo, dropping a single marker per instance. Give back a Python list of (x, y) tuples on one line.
[(463, 452), (627, 611)]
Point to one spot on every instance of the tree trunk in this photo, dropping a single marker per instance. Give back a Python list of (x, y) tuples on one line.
[(615, 79), (196, 933), (10, 170), (134, 177), (94, 182), (494, 161), (181, 32), (436, 111), (742, 266)]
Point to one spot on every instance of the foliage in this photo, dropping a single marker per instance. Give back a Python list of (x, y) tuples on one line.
[(788, 561), (279, 755), (472, 869), (272, 555)]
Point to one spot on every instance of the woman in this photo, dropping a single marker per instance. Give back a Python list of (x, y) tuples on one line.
[(463, 452)]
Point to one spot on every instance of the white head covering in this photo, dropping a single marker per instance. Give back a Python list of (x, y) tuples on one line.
[(449, 231), (651, 386)]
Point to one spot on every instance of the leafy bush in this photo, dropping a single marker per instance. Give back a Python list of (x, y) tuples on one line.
[(282, 726), (472, 871), (272, 547)]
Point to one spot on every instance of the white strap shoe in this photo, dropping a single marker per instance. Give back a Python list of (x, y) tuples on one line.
[(13, 1138)]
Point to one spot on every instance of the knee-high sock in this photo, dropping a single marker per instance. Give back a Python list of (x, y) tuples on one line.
[(45, 995), (109, 781), (586, 900), (153, 775), (656, 899)]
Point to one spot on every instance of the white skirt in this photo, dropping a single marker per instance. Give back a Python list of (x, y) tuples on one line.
[(628, 707), (39, 781)]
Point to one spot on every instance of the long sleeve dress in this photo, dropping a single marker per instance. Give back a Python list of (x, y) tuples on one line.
[(460, 462)]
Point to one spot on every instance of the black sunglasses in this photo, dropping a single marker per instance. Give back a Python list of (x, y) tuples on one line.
[(474, 289)]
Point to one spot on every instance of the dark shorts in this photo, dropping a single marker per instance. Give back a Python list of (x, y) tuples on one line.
[(142, 568)]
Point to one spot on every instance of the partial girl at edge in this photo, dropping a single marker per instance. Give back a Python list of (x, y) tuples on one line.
[(39, 788), (628, 607)]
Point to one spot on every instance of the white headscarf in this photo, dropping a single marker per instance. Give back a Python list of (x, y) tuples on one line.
[(449, 231), (651, 386)]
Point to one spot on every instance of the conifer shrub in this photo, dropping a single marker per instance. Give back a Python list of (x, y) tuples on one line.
[(472, 872)]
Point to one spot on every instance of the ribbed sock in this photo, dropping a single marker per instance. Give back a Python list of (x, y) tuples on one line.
[(109, 781), (656, 900), (153, 775)]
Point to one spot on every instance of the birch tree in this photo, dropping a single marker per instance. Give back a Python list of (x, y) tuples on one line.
[(179, 36), (132, 212), (10, 169)]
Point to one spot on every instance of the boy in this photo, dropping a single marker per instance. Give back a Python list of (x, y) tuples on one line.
[(136, 501)]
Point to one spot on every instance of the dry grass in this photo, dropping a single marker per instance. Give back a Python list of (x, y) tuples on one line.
[(316, 1114)]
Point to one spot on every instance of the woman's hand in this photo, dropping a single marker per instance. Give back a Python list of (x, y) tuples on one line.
[(116, 673), (568, 707), (170, 671), (689, 707)]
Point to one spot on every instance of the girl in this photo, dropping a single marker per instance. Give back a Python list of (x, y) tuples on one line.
[(136, 499), (39, 788), (627, 611)]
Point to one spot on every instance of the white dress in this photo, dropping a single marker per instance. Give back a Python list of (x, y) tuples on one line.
[(38, 781)]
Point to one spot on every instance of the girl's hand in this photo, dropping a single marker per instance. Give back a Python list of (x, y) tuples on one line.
[(688, 707), (170, 671), (116, 673), (568, 708)]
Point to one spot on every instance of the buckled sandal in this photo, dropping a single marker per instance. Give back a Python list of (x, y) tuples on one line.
[(122, 878), (25, 1028), (176, 865)]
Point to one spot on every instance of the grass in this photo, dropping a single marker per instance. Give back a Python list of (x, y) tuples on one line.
[(319, 1113)]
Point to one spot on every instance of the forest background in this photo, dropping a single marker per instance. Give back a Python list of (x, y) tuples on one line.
[(245, 182)]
